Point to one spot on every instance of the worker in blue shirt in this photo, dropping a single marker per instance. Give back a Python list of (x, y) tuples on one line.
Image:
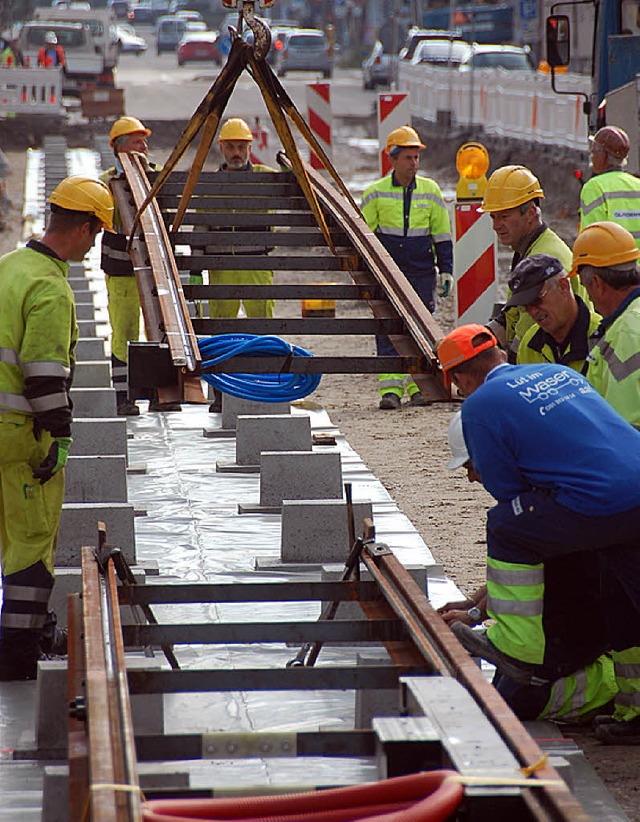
[(563, 467)]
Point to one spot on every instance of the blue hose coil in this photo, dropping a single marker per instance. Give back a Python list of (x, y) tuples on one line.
[(256, 387)]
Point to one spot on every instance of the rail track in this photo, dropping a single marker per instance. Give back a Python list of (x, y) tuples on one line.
[(290, 221)]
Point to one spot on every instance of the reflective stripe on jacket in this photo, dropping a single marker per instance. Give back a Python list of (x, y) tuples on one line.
[(515, 595), (38, 334), (614, 361), (613, 195), (418, 237), (582, 692)]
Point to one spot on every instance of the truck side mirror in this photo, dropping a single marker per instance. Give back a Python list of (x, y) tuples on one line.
[(558, 33)]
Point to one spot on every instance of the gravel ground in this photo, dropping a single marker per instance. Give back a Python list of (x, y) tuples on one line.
[(408, 450)]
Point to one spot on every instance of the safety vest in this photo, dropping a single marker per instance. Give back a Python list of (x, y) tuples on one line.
[(613, 364), (515, 596), (613, 195), (539, 346), (114, 256), (412, 224), (38, 334), (582, 692), (626, 665), (545, 241), (51, 57)]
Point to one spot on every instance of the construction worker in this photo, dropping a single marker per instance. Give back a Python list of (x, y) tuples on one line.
[(553, 691), (605, 256), (51, 54), (562, 322), (612, 194), (235, 141), (11, 55), (563, 467), (512, 199), (127, 135), (38, 334), (409, 217)]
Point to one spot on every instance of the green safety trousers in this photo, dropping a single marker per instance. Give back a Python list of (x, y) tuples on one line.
[(29, 519), (257, 309), (124, 316)]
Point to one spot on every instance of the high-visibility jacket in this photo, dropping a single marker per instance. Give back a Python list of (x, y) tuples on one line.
[(613, 195), (412, 224), (582, 692), (38, 334), (544, 241), (539, 346), (114, 259), (613, 364)]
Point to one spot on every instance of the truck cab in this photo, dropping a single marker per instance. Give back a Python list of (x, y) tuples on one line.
[(100, 23)]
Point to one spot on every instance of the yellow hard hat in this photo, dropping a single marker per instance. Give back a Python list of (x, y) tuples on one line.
[(604, 244), (403, 137), (127, 125), (78, 193), (235, 129), (510, 186)]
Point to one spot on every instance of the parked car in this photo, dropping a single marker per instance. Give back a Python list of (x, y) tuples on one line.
[(189, 16), (304, 50), (509, 58), (142, 12), (119, 9), (417, 36), (128, 41), (169, 32), (448, 53), (199, 47), (278, 31), (380, 68)]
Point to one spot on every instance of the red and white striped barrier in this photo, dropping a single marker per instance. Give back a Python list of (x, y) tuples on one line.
[(259, 154), (474, 266), (393, 112), (320, 119)]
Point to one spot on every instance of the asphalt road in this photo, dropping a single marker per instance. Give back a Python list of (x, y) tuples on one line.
[(156, 88)]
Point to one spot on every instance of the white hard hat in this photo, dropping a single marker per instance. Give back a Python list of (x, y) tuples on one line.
[(459, 453), (50, 38)]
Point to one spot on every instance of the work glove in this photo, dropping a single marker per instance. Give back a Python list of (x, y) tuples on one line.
[(55, 460), (446, 283), (195, 278)]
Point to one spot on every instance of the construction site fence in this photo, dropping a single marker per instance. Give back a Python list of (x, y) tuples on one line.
[(514, 104), (30, 91)]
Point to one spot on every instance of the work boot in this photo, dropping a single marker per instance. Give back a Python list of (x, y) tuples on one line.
[(128, 409), (216, 405), (390, 402), (418, 400), (478, 644), (619, 733), (54, 641), (156, 405)]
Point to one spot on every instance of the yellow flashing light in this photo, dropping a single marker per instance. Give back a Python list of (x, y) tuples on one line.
[(472, 163)]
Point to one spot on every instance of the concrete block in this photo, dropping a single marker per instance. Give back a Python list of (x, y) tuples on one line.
[(299, 475), (79, 285), (103, 436), (233, 407), (318, 530), (92, 374), (69, 581), (372, 702), (96, 479), (87, 328), (279, 432), (85, 310), (79, 526), (94, 402), (90, 348), (51, 703)]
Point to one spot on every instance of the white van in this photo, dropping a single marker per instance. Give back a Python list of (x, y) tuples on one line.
[(169, 32), (100, 23)]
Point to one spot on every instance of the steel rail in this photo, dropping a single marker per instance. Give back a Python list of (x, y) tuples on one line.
[(431, 635), (175, 325)]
